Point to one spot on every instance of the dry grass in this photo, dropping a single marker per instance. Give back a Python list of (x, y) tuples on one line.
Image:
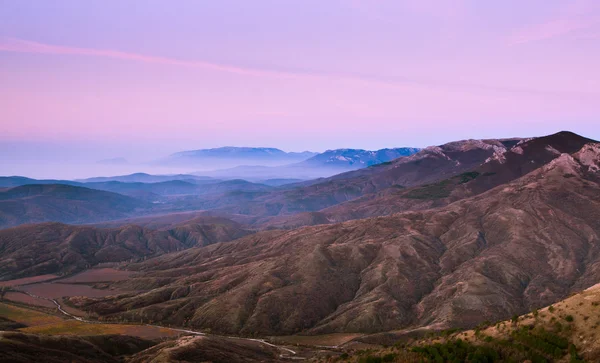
[(73, 327), (56, 290), (97, 275), (28, 317), (577, 317), (22, 298), (27, 280)]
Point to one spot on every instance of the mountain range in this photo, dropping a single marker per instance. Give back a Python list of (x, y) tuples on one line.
[(448, 237), (520, 245)]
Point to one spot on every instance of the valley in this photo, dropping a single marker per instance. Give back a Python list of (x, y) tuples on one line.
[(448, 238)]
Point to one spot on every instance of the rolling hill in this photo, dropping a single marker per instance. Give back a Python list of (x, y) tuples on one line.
[(35, 203), (521, 245), (55, 248)]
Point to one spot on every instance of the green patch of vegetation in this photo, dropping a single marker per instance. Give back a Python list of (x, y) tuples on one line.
[(430, 191), (441, 189), (525, 344), (467, 177), (390, 357), (569, 318), (489, 173), (381, 164)]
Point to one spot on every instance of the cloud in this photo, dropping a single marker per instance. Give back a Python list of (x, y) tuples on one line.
[(575, 18), (26, 46), (552, 29), (16, 45)]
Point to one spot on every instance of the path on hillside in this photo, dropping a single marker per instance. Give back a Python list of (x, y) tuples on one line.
[(80, 319)]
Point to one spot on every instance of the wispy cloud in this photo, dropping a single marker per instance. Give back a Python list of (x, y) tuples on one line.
[(576, 18), (16, 45), (553, 29), (26, 46)]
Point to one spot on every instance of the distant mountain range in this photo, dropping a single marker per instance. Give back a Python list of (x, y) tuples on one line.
[(143, 178), (234, 156), (514, 226), (357, 158), (321, 165)]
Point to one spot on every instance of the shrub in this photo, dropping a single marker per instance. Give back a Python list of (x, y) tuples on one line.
[(569, 318)]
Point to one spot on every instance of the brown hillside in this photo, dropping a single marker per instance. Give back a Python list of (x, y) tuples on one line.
[(38, 249), (521, 245)]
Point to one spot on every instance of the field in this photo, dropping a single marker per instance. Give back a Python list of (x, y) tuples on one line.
[(28, 300), (27, 280), (326, 340), (56, 290), (42, 323), (28, 317), (97, 275), (73, 327)]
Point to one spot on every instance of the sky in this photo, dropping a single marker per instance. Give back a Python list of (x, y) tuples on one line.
[(96, 79)]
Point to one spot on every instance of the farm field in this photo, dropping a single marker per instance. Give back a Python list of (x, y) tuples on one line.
[(28, 317), (56, 290), (29, 300), (73, 327), (42, 323), (97, 275), (27, 280)]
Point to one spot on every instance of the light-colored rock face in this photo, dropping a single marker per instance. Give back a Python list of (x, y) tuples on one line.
[(589, 156)]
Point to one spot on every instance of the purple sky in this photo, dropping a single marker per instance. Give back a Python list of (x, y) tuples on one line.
[(113, 78)]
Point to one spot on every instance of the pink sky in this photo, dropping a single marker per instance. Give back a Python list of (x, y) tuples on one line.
[(155, 77)]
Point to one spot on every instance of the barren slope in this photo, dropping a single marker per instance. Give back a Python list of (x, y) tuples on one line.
[(38, 249), (521, 245)]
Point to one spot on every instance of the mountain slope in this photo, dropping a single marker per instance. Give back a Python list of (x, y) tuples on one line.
[(62, 203), (45, 248), (427, 166), (521, 245), (502, 167), (16, 347)]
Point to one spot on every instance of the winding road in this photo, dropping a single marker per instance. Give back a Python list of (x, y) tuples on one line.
[(262, 341)]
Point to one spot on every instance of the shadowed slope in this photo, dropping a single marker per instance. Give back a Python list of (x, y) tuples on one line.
[(62, 203), (30, 250)]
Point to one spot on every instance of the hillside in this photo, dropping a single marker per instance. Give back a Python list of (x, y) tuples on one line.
[(55, 248), (503, 166), (62, 203), (16, 347), (427, 166), (521, 245)]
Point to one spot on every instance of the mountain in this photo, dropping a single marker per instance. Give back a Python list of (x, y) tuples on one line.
[(321, 165), (521, 245), (35, 203), (144, 178), (357, 158), (426, 166), (506, 164), (45, 248), (235, 156), (16, 181)]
